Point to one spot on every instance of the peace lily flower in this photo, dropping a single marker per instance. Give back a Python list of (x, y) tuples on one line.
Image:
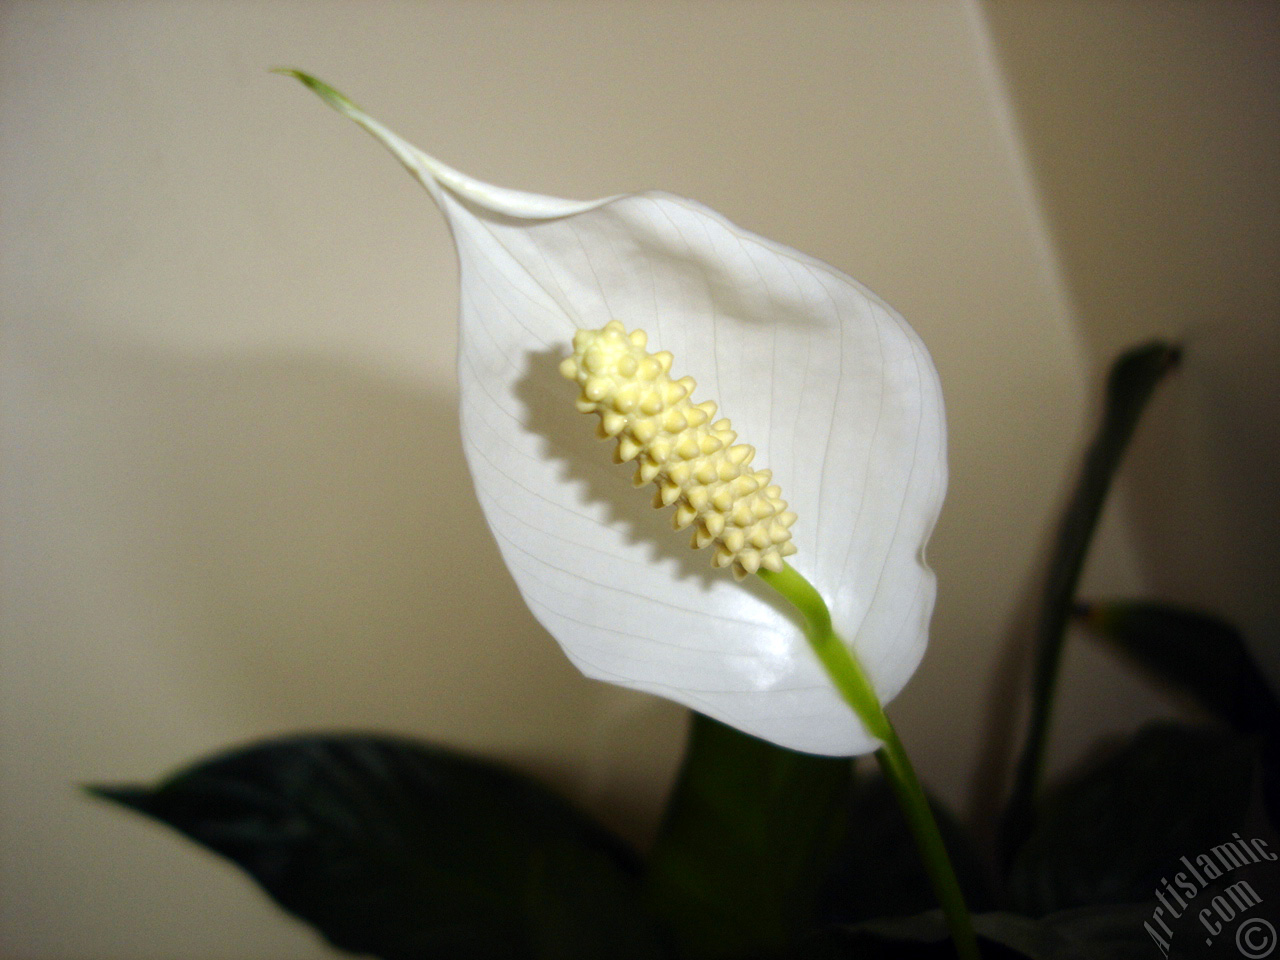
[(830, 386)]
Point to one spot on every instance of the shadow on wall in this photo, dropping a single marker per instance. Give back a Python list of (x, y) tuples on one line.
[(302, 544), (1203, 487)]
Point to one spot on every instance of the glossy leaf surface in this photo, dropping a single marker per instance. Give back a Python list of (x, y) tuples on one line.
[(408, 852)]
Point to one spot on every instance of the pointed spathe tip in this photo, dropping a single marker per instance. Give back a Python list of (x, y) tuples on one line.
[(328, 94)]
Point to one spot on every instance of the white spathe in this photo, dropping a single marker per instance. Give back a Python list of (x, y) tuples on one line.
[(832, 387)]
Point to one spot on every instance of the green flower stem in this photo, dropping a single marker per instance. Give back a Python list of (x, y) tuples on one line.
[(852, 683)]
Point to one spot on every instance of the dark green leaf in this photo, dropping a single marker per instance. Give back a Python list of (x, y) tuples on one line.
[(879, 872), (1132, 380), (409, 852), (1089, 933), (1196, 653), (1107, 836), (1112, 932), (747, 838)]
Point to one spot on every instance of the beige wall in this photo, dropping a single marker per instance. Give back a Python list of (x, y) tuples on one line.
[(231, 500), (1154, 135)]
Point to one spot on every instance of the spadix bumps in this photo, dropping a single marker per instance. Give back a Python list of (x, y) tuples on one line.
[(691, 457), (844, 389)]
